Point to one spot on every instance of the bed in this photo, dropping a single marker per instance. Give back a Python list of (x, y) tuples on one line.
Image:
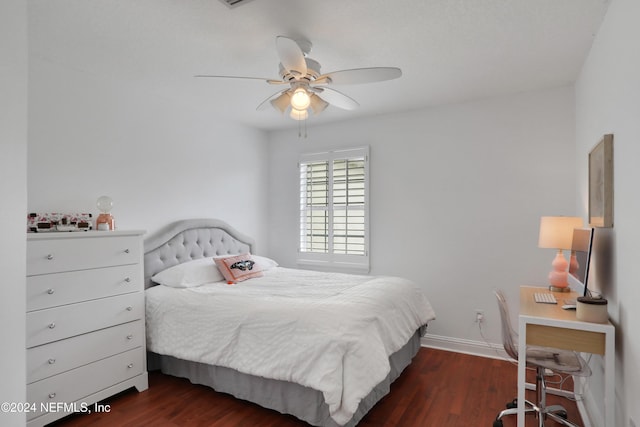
[(322, 350)]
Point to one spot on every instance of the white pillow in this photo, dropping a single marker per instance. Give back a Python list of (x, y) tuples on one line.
[(189, 274), (263, 262)]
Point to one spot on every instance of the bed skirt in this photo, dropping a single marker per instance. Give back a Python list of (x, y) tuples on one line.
[(285, 397)]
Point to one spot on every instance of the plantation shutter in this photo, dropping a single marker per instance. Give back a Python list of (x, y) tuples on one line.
[(314, 207), (334, 208)]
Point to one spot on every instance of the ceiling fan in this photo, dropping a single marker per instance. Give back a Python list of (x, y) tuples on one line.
[(307, 88)]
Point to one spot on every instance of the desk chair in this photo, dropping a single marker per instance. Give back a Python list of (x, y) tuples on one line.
[(541, 358)]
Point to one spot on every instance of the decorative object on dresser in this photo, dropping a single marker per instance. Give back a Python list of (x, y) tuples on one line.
[(601, 183), (105, 221), (556, 232), (52, 221), (85, 331)]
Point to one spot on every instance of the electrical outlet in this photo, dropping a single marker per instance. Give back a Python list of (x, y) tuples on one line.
[(479, 316)]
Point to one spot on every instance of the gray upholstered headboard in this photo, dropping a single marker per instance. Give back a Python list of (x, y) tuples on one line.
[(190, 239)]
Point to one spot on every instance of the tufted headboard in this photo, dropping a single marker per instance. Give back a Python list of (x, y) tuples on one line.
[(190, 239)]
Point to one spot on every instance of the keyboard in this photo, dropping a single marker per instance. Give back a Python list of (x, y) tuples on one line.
[(544, 298)]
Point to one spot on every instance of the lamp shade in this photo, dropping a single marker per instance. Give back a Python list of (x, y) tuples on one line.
[(317, 104), (556, 232), (281, 103)]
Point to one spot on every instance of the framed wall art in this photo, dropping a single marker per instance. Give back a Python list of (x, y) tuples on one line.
[(601, 183)]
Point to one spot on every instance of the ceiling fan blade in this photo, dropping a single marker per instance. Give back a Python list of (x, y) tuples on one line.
[(270, 81), (318, 104), (359, 75), (291, 56), (339, 99), (277, 97)]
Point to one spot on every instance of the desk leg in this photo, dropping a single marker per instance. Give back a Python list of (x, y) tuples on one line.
[(609, 380), (522, 369)]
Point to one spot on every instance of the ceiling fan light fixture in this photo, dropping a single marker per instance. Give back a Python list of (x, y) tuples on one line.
[(298, 114), (281, 103), (300, 99), (305, 84), (318, 104)]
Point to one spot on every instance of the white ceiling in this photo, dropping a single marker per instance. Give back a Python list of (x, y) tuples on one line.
[(449, 50)]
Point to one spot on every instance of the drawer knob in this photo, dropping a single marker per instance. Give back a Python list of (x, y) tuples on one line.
[(52, 395), (129, 308), (127, 279), (50, 291), (52, 361), (130, 365), (52, 325), (126, 251), (130, 336), (50, 257)]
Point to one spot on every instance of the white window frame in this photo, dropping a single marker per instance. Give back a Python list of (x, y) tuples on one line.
[(330, 260)]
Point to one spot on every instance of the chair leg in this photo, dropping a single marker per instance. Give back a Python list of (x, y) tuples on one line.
[(561, 420), (541, 393), (549, 411), (541, 389), (514, 411), (539, 409), (530, 408)]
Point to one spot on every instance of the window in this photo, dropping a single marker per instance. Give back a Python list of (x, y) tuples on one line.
[(334, 209)]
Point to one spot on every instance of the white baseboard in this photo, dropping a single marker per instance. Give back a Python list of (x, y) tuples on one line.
[(496, 351), (476, 348)]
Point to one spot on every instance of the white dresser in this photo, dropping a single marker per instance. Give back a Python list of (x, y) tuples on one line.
[(85, 329)]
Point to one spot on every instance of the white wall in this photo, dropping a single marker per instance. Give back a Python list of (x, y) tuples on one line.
[(13, 204), (608, 101), (158, 159), (456, 197)]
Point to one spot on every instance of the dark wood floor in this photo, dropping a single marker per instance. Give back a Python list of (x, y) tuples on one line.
[(439, 388)]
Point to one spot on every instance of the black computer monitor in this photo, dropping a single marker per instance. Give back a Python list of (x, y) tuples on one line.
[(581, 245)]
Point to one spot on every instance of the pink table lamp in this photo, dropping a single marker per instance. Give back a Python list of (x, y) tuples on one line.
[(556, 232)]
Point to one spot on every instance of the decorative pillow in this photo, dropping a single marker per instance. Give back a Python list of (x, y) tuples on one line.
[(189, 274), (238, 268)]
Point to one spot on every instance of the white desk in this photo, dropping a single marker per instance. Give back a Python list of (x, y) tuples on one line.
[(550, 325)]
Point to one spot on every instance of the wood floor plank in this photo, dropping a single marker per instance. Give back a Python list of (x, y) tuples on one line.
[(439, 388)]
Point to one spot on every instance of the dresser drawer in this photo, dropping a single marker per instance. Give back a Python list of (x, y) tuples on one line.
[(51, 290), (72, 386), (51, 359), (58, 255), (57, 323)]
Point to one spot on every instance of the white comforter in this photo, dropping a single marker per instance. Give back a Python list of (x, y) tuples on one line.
[(331, 332)]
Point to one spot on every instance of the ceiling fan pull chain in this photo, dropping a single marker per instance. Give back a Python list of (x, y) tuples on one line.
[(302, 123)]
